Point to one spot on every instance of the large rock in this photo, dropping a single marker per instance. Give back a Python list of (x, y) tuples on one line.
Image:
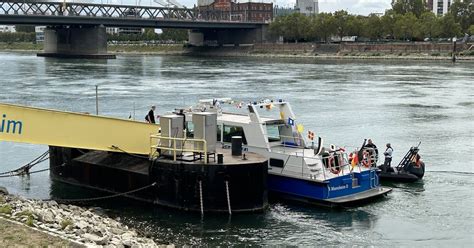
[(3, 191), (96, 239)]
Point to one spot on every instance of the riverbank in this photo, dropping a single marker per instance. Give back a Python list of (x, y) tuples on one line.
[(46, 223), (403, 51), (13, 234)]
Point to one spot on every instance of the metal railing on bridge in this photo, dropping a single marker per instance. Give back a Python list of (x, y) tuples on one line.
[(94, 10)]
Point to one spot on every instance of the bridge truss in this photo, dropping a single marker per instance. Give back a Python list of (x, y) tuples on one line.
[(68, 9)]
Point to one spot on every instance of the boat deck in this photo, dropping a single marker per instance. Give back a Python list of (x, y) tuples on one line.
[(359, 197), (118, 161)]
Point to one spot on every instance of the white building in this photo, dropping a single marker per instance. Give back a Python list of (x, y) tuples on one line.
[(441, 7), (7, 29), (307, 7)]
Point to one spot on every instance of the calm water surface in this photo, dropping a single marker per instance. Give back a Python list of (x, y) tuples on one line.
[(399, 102)]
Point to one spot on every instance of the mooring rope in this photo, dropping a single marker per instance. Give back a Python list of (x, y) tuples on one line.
[(228, 197), (25, 169), (200, 198), (31, 172), (130, 154), (106, 197)]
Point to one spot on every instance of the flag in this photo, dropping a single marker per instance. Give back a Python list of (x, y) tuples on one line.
[(291, 122), (355, 161)]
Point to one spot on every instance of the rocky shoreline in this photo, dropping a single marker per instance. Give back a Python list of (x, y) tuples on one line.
[(79, 225)]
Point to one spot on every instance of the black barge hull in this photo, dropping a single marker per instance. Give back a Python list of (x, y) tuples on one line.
[(177, 184)]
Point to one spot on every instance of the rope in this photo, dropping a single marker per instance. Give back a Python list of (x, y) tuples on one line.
[(107, 197), (31, 172), (200, 198), (25, 169), (228, 197), (130, 154)]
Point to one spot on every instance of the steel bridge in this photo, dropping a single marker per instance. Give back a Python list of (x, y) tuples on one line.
[(68, 13)]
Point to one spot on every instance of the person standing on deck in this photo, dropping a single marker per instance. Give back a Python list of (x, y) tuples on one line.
[(371, 145), (150, 117), (388, 157)]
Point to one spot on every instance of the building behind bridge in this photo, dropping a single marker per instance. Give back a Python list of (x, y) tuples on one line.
[(231, 10)]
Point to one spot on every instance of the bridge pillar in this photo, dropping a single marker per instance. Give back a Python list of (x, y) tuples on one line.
[(195, 38), (210, 37), (76, 42)]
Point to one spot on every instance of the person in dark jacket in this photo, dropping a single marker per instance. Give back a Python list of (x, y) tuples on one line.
[(371, 145), (150, 117)]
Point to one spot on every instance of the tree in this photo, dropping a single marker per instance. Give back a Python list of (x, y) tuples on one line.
[(174, 34), (429, 25), (296, 27), (388, 22), (471, 30), (341, 23), (463, 13), (416, 7), (373, 27), (356, 25), (25, 28), (323, 26), (448, 26), (407, 27)]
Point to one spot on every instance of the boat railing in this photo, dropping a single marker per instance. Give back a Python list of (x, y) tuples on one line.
[(307, 154), (176, 146)]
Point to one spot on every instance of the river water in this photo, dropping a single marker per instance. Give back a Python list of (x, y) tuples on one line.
[(401, 102)]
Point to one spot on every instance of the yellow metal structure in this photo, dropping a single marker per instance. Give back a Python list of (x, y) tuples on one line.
[(177, 145), (75, 130)]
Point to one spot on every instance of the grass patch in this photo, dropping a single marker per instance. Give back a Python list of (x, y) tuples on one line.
[(6, 209), (65, 223), (21, 46), (435, 54), (376, 54), (29, 221), (2, 199)]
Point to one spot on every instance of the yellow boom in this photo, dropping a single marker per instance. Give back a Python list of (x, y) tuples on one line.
[(75, 130)]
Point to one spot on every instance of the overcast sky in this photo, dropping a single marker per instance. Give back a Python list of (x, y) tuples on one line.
[(363, 7)]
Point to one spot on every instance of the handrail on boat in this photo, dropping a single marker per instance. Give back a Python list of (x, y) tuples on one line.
[(176, 145)]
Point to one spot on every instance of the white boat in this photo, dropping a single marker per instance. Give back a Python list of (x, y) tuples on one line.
[(298, 169)]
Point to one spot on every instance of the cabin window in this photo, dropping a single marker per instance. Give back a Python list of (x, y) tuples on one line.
[(230, 131), (274, 162), (189, 129), (273, 132)]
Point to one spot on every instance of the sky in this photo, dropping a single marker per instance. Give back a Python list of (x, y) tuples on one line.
[(362, 7)]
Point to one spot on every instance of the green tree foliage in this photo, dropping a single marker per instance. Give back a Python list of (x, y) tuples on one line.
[(174, 34), (341, 23), (388, 23), (429, 25), (407, 27), (448, 26), (294, 27), (373, 27), (463, 13), (471, 30), (322, 27), (17, 37), (25, 28), (402, 7)]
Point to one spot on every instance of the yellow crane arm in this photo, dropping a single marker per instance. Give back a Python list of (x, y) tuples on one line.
[(75, 130)]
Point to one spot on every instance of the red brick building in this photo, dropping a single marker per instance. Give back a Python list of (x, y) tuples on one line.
[(230, 10)]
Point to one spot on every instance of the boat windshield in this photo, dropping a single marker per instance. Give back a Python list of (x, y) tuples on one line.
[(230, 131), (273, 132)]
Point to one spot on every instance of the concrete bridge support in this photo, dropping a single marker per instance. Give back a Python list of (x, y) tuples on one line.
[(76, 42), (219, 37)]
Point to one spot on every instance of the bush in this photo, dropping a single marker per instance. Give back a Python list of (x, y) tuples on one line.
[(435, 54), (65, 223), (6, 209), (29, 221)]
